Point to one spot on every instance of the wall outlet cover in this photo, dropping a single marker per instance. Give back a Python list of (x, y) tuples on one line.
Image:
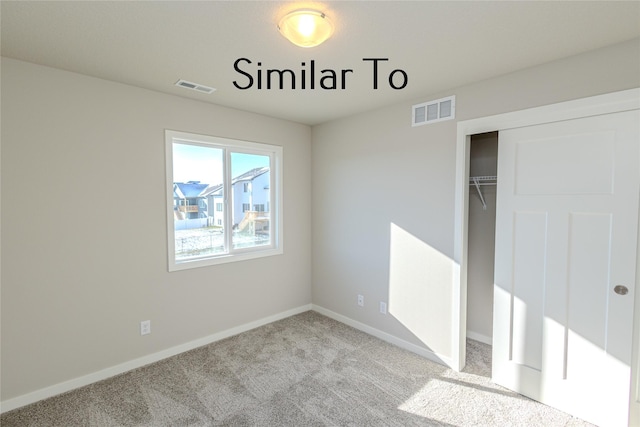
[(145, 327), (383, 307)]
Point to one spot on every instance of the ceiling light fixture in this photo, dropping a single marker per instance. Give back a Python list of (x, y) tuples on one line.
[(305, 27)]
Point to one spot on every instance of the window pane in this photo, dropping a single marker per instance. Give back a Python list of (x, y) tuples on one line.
[(251, 189), (197, 201)]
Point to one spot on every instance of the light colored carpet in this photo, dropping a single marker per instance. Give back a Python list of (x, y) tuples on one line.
[(306, 370)]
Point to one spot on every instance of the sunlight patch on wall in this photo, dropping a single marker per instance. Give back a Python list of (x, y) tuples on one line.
[(420, 289)]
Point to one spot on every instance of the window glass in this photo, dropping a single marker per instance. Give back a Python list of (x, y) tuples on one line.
[(197, 170), (251, 178)]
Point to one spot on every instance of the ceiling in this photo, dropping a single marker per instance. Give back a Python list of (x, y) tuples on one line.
[(438, 44)]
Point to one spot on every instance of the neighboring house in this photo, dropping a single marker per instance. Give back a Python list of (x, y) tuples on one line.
[(215, 202), (188, 202), (251, 193)]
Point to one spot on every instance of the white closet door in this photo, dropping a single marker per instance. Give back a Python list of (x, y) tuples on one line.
[(567, 217)]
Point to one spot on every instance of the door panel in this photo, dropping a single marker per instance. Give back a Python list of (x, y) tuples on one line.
[(566, 236), (528, 297), (541, 165)]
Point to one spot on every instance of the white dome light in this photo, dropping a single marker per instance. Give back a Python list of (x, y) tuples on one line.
[(306, 28)]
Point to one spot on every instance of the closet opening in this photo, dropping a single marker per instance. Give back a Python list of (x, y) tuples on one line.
[(483, 170)]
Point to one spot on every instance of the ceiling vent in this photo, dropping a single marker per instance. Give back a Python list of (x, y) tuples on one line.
[(433, 111), (195, 86)]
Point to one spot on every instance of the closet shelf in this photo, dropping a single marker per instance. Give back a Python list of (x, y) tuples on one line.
[(479, 181)]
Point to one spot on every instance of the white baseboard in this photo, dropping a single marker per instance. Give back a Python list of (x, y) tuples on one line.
[(103, 374), (421, 351), (479, 337)]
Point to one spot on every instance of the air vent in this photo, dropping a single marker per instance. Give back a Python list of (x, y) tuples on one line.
[(433, 111), (195, 86)]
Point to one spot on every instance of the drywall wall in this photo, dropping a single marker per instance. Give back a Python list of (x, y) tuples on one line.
[(483, 161), (383, 194), (84, 245)]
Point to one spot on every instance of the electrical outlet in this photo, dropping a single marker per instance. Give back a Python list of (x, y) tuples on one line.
[(361, 300), (145, 327), (383, 307)]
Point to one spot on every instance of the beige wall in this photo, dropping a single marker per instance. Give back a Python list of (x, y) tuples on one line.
[(373, 172), (84, 246)]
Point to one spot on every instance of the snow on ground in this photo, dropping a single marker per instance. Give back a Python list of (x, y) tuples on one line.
[(210, 240)]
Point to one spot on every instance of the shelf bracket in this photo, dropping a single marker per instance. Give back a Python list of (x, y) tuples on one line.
[(477, 184), (479, 181)]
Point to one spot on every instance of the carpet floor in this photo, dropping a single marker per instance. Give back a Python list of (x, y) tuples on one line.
[(306, 370)]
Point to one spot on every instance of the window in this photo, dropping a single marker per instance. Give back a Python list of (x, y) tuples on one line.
[(222, 171)]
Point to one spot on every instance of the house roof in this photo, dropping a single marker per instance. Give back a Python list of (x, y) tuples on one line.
[(188, 190), (212, 190), (251, 175), (192, 189)]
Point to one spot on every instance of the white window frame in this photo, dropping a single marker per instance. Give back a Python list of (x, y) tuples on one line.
[(228, 145)]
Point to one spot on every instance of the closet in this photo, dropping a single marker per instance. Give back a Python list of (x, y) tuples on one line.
[(483, 164), (563, 243)]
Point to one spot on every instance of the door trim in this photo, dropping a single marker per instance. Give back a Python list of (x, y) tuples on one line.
[(592, 106)]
